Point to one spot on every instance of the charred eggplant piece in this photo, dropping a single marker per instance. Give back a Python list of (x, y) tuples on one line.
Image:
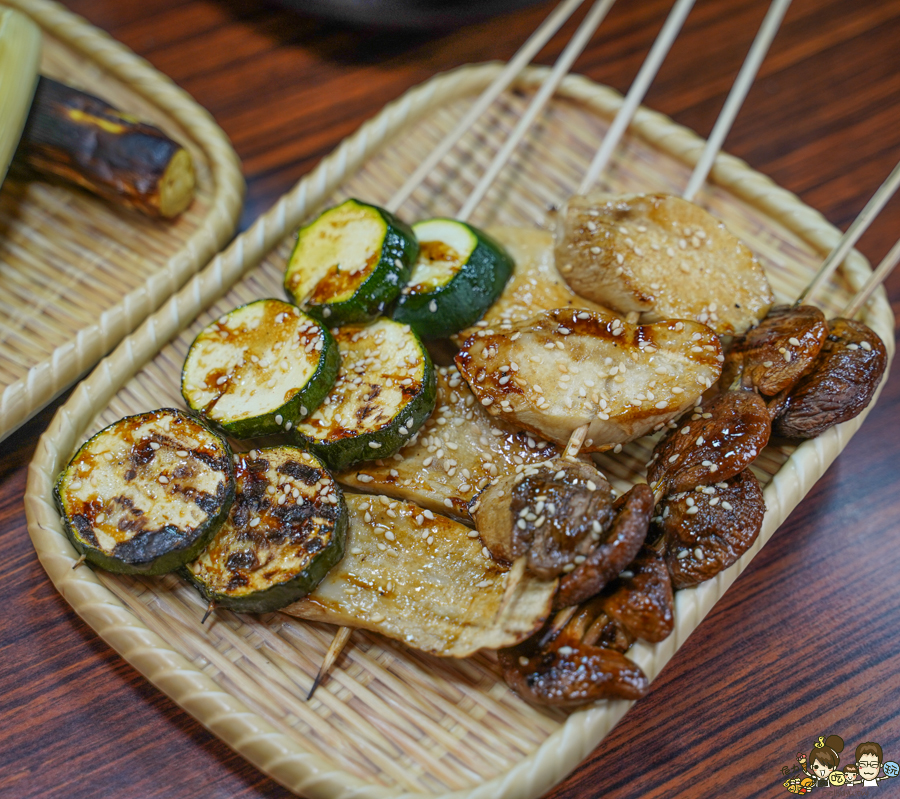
[(775, 354), (707, 530), (81, 138), (840, 384), (558, 667), (640, 600), (718, 441), (615, 550), (550, 513)]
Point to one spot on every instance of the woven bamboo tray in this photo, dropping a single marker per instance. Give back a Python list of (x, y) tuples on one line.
[(76, 273), (391, 722)]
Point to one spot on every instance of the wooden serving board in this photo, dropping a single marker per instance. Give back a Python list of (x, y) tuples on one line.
[(392, 722), (77, 274)]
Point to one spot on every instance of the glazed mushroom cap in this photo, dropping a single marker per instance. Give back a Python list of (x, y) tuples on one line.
[(706, 530), (775, 354), (550, 513), (840, 384), (617, 548), (715, 443)]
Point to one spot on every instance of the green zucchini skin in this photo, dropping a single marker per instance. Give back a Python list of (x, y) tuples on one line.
[(197, 388), (229, 571), (163, 549), (399, 250), (343, 445), (463, 300)]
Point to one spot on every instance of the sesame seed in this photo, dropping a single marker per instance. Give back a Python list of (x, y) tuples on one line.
[(682, 554), (794, 341), (101, 517), (364, 478), (727, 505), (374, 445), (487, 401), (698, 553), (163, 479), (866, 346), (473, 533), (154, 445), (182, 453)]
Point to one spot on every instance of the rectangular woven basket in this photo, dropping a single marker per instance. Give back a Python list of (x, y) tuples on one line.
[(392, 722), (77, 273)]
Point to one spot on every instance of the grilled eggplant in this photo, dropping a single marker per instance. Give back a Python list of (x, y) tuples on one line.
[(285, 531), (78, 137), (147, 493)]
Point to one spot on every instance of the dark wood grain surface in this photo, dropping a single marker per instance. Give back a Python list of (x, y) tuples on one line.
[(806, 643)]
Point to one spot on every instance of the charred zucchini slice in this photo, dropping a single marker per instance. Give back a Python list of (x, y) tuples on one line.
[(285, 531), (259, 369), (350, 263), (385, 390), (145, 495), (459, 273)]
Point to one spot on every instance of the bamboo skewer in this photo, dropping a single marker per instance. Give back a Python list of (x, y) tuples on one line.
[(736, 96), (560, 69), (878, 276), (334, 649), (642, 81), (515, 65), (856, 229)]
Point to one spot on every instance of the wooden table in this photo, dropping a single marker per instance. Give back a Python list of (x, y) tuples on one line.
[(804, 644)]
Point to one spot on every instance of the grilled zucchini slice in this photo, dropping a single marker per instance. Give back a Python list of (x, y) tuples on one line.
[(350, 263), (145, 495), (384, 392), (259, 369), (285, 531), (458, 275)]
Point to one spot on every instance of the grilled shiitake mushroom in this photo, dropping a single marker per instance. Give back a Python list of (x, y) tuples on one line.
[(557, 667), (775, 354), (718, 441), (840, 385), (706, 530), (640, 599), (617, 547), (554, 514)]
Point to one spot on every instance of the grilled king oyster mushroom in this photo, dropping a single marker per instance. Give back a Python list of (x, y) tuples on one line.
[(775, 354), (566, 667), (662, 257), (457, 452), (426, 581), (535, 285), (706, 530), (567, 368), (616, 548), (719, 440), (840, 384), (553, 513)]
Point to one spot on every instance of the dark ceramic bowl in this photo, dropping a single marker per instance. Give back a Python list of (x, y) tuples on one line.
[(407, 13)]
